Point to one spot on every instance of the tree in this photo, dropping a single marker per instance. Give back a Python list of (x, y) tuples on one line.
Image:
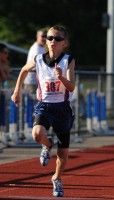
[(19, 21)]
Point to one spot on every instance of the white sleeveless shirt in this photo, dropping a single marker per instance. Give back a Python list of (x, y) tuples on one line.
[(34, 50), (50, 88)]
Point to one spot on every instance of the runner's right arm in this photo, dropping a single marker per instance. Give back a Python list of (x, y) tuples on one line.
[(23, 73)]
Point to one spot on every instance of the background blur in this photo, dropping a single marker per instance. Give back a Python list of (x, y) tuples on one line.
[(88, 28), (19, 21)]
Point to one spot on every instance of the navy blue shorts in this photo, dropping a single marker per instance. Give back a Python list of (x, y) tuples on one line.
[(57, 115)]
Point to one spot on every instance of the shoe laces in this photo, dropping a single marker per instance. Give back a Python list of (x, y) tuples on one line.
[(45, 150), (58, 184)]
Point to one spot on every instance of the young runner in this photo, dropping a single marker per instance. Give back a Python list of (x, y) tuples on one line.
[(56, 82)]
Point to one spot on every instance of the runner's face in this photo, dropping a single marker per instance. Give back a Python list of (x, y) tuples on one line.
[(53, 40)]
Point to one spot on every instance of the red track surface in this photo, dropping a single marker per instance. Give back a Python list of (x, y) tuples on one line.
[(89, 174)]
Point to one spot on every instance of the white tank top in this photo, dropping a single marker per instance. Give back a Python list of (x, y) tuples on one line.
[(34, 50), (50, 88)]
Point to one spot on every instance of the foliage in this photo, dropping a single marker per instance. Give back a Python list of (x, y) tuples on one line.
[(19, 21)]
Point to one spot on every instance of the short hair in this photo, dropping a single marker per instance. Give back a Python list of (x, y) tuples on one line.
[(41, 30), (61, 29), (2, 47)]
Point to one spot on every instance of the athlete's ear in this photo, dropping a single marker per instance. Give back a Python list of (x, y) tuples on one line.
[(66, 44), (47, 43)]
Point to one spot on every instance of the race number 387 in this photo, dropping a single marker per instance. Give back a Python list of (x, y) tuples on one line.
[(52, 86)]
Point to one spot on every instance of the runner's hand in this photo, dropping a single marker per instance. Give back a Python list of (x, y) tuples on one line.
[(58, 71), (16, 98)]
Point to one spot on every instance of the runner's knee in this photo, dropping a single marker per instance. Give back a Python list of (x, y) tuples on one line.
[(38, 133)]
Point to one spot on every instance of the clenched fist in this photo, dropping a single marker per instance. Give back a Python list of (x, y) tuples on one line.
[(16, 98), (58, 71)]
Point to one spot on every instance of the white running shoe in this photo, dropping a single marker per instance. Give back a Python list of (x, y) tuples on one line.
[(45, 155), (57, 188)]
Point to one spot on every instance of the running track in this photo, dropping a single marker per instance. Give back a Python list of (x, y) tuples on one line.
[(89, 174)]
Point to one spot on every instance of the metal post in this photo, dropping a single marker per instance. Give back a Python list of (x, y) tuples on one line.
[(99, 83), (77, 104), (110, 55), (77, 138)]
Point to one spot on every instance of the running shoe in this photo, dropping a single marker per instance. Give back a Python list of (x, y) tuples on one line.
[(45, 154), (57, 188)]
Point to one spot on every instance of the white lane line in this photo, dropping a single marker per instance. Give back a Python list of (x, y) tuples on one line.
[(48, 198), (7, 190), (47, 179)]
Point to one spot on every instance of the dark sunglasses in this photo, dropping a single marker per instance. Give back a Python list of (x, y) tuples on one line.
[(56, 38)]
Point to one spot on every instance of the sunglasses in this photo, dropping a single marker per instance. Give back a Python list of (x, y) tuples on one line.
[(56, 38)]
